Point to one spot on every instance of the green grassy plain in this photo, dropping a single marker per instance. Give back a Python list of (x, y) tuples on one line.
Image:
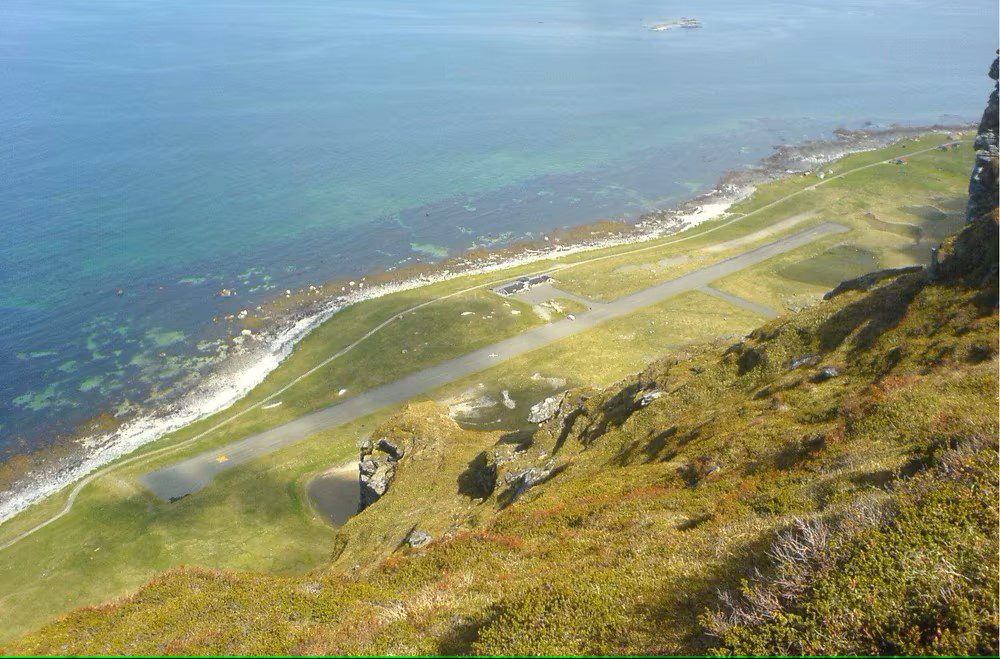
[(256, 516)]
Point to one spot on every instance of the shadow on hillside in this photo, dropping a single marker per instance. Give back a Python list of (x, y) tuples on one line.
[(477, 481), (870, 316), (680, 609), (662, 446)]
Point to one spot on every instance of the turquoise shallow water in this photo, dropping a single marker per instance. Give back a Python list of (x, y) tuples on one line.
[(172, 149)]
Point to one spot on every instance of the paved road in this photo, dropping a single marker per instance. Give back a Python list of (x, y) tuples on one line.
[(193, 474), (765, 311)]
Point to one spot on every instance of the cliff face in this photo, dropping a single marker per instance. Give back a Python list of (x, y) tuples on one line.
[(983, 185)]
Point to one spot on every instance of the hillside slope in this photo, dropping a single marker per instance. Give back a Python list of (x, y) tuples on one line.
[(827, 485), (836, 467)]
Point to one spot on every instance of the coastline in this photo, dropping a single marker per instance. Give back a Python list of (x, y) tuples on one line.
[(272, 340)]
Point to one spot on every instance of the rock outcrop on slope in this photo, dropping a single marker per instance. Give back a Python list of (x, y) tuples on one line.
[(983, 184)]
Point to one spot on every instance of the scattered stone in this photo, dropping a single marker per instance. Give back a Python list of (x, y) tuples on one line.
[(507, 401), (226, 292), (418, 538)]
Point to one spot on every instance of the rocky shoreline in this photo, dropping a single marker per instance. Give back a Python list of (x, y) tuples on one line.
[(267, 339)]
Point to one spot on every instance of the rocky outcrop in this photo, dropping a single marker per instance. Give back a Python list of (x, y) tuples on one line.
[(377, 468), (983, 184), (971, 256), (648, 397), (545, 410), (520, 481)]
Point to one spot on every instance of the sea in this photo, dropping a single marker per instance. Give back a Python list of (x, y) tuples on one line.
[(154, 153)]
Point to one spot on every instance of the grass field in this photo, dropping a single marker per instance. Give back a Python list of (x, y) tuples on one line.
[(256, 516), (897, 212)]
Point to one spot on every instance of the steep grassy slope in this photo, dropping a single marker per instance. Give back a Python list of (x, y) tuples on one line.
[(829, 484)]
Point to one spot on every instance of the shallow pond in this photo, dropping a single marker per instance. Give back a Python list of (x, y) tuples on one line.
[(335, 494)]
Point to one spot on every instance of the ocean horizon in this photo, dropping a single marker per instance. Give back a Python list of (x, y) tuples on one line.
[(264, 149)]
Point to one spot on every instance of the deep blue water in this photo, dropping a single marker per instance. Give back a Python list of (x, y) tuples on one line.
[(172, 148)]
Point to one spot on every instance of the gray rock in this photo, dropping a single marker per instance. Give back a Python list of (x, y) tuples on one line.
[(374, 482), (545, 410), (523, 480), (418, 538), (395, 452), (367, 467), (983, 182), (649, 397), (826, 373), (807, 360)]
